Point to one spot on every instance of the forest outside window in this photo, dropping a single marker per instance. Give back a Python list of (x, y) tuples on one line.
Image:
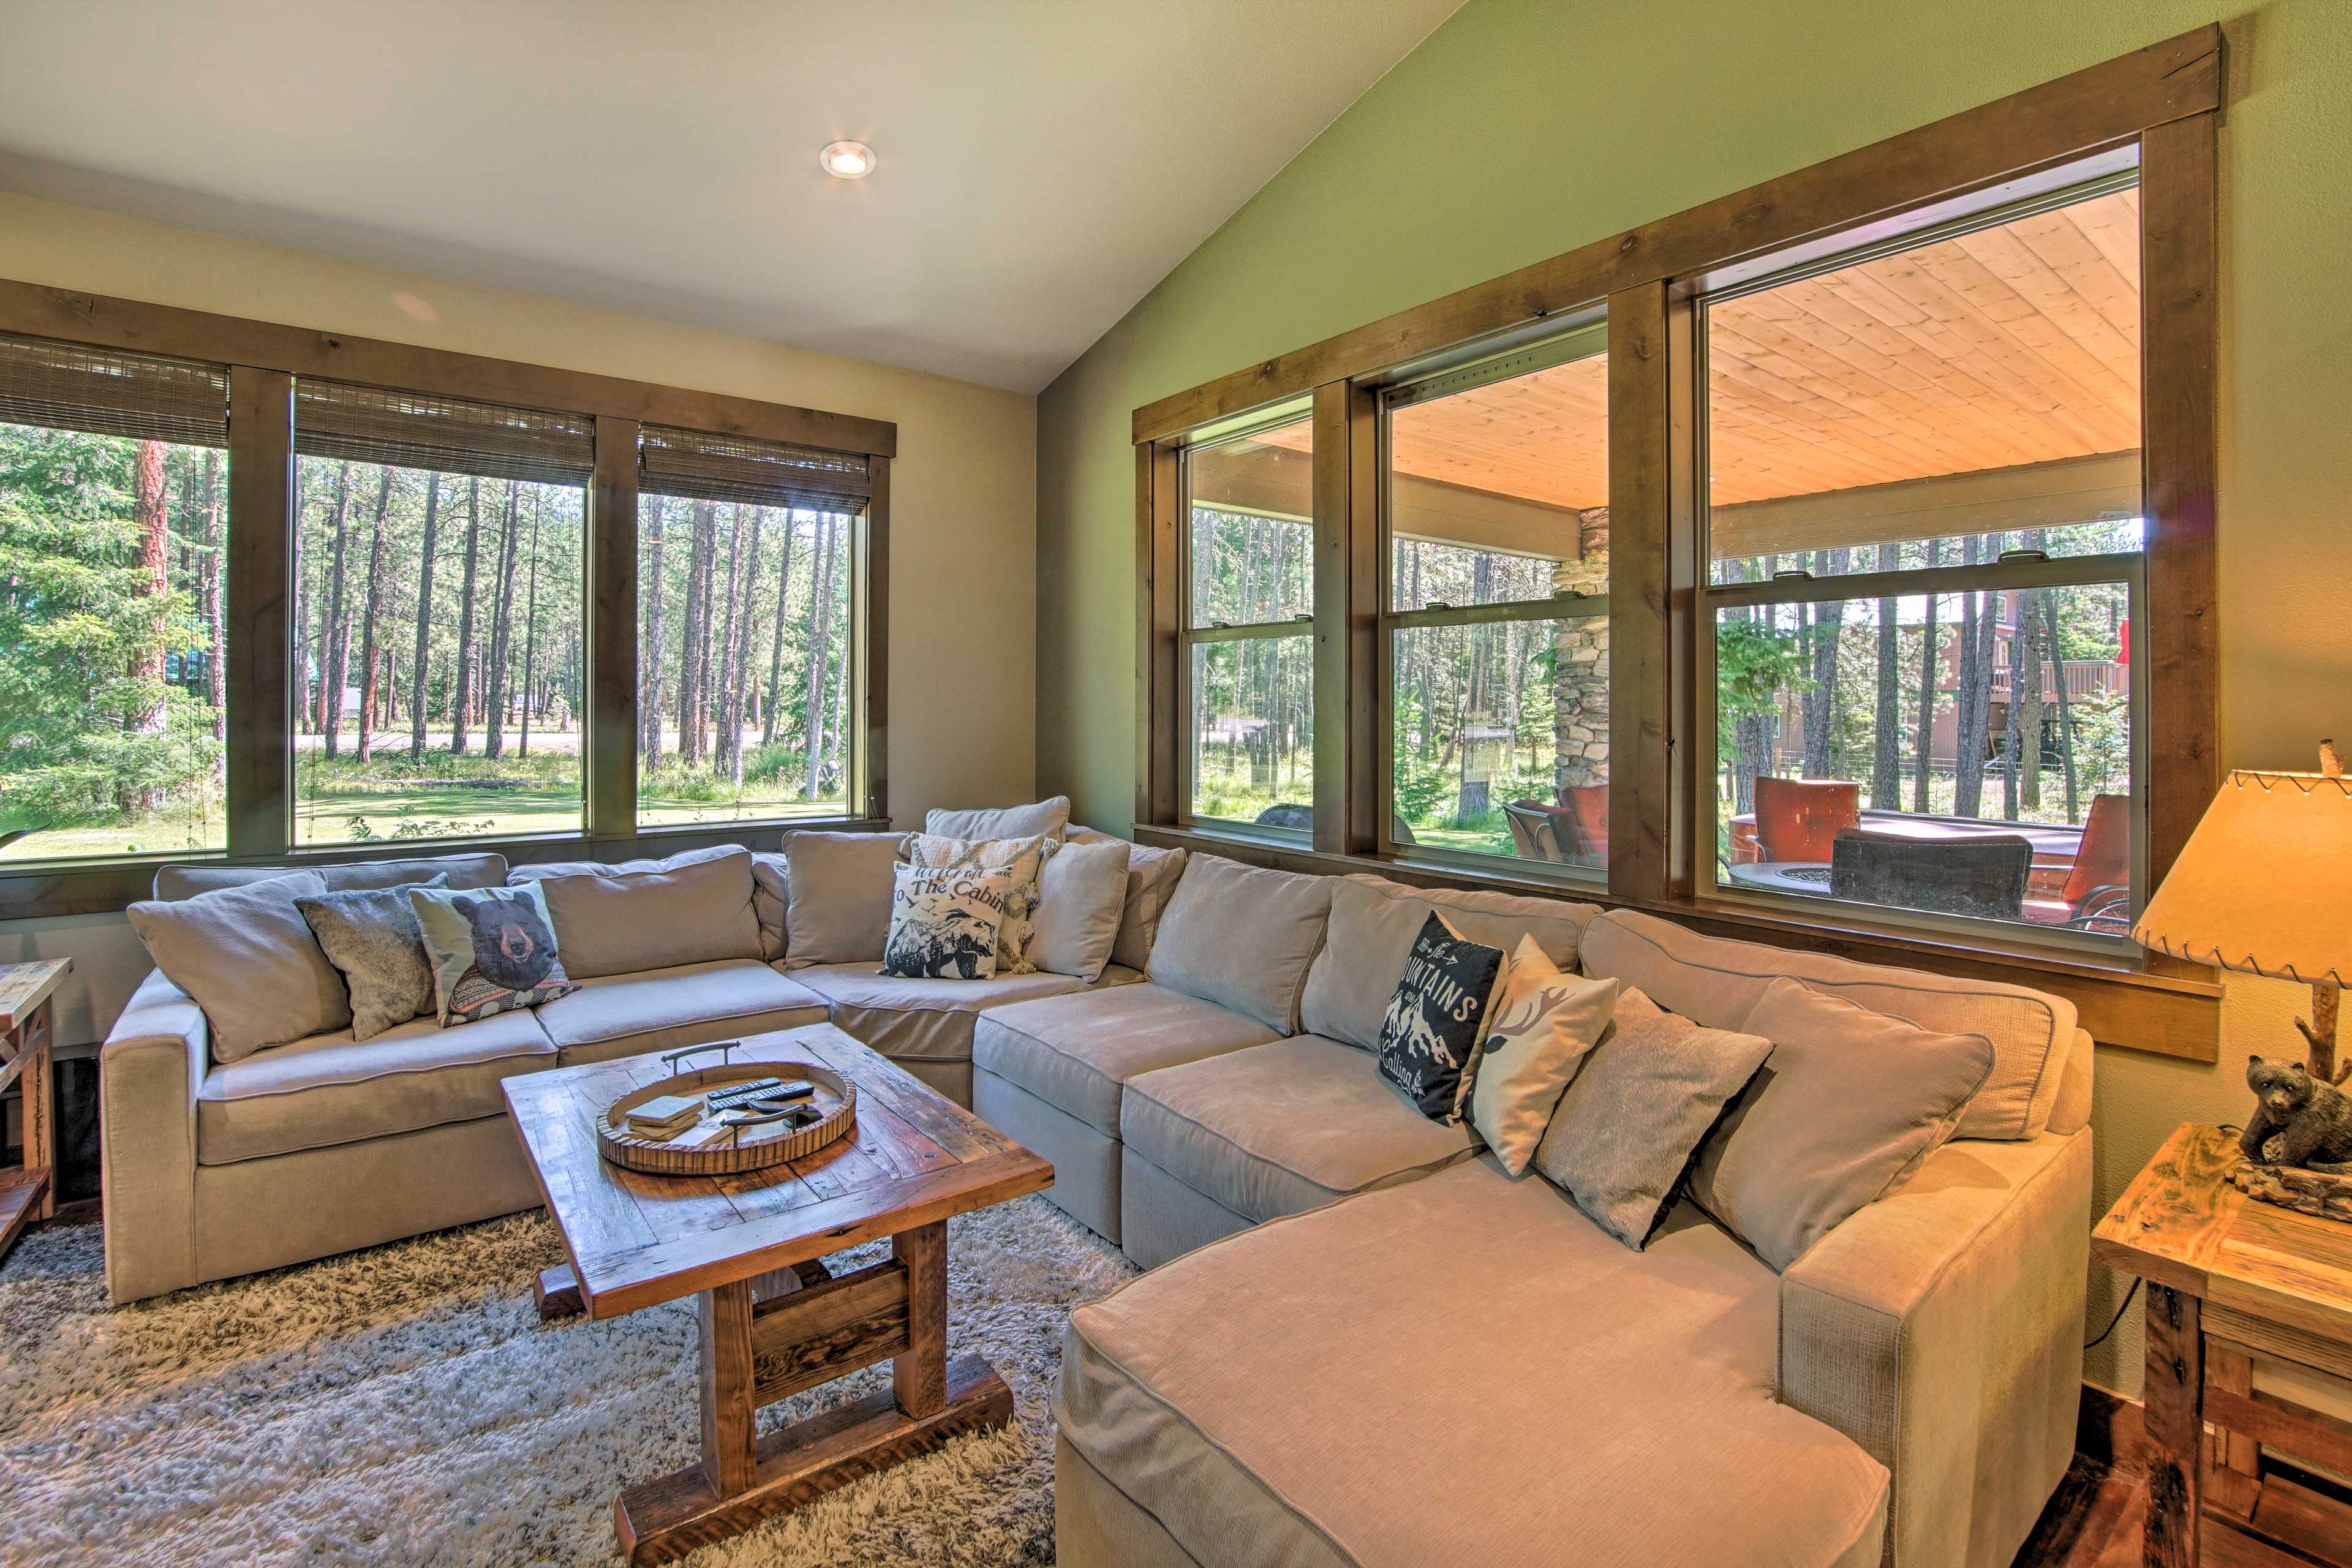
[(1497, 551), (438, 660), (1249, 665), (1925, 528), (113, 529), (748, 668)]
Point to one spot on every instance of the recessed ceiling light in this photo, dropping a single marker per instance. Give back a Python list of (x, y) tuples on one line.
[(847, 160)]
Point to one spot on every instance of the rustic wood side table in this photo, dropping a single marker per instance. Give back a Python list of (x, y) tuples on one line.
[(2230, 1279), (27, 1192)]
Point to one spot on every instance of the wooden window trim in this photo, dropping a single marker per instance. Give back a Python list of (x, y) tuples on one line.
[(264, 359), (2165, 101)]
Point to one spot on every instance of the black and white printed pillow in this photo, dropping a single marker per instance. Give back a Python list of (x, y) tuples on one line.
[(944, 921), (1430, 1037)]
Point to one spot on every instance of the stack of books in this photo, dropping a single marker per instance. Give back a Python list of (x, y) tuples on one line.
[(665, 1116)]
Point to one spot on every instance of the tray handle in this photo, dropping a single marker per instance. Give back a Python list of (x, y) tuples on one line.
[(671, 1059)]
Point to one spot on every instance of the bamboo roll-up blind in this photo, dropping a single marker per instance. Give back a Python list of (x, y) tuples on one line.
[(703, 466), (444, 435), (67, 387)]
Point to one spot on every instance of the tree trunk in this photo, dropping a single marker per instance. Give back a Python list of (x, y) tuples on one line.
[(819, 652), (370, 617), (2025, 686), (1979, 624), (462, 699), (2013, 739), (693, 639), (776, 648), (739, 680), (531, 625), (1886, 720), (649, 645), (727, 741), (494, 673), (209, 603), (337, 632), (2065, 711), (416, 685), (1920, 797), (1819, 703)]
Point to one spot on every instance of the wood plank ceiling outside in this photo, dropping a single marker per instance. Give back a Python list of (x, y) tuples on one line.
[(2016, 345)]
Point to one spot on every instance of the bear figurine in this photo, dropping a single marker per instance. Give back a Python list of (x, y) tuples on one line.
[(2297, 1120), (512, 946)]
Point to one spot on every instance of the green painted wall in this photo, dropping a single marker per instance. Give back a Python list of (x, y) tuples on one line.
[(1521, 129)]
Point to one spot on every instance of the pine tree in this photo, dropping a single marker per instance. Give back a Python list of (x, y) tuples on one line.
[(416, 685), (495, 672), (372, 617), (819, 654), (461, 706), (776, 649), (649, 645)]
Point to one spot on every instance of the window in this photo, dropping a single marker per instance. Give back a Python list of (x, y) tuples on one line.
[(437, 612), (1249, 668), (113, 528), (1496, 550), (748, 668), (1925, 534)]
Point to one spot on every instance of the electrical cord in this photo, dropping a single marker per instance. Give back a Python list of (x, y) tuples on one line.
[(2119, 1312)]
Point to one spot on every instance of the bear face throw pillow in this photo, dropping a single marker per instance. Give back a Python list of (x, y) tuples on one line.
[(492, 949), (1431, 1034)]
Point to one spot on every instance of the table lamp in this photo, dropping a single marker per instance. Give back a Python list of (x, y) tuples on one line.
[(2264, 886)]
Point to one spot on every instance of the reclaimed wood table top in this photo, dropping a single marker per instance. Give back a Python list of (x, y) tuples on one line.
[(916, 1157), (2182, 1224), (24, 986)]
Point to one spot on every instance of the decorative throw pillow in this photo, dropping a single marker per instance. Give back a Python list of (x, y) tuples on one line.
[(944, 921), (251, 963), (839, 911), (493, 951), (372, 935), (1544, 1023), (1045, 818), (1436, 1020), (1151, 877), (1081, 895), (1633, 1118), (1022, 859), (1850, 1104)]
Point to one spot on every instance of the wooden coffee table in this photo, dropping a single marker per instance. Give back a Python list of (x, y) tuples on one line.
[(751, 1249)]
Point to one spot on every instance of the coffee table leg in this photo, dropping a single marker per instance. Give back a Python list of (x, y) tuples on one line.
[(755, 1352), (919, 1376), (558, 1291)]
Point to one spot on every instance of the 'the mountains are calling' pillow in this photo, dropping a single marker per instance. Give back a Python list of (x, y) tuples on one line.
[(1435, 1022)]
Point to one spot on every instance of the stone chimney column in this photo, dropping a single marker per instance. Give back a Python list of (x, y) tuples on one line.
[(1580, 664)]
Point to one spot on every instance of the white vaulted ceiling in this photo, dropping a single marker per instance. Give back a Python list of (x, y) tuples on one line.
[(1043, 163)]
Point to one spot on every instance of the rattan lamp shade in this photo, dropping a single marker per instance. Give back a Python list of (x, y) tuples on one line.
[(2264, 884)]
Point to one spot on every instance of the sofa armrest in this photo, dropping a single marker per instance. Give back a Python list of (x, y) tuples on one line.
[(1942, 1329), (150, 1071)]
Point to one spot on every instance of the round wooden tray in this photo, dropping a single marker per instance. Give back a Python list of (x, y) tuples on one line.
[(755, 1148)]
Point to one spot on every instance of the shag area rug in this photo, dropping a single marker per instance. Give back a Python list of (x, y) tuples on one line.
[(406, 1405)]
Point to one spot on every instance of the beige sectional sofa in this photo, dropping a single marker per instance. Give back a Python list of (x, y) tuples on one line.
[(1360, 1342), (214, 1170)]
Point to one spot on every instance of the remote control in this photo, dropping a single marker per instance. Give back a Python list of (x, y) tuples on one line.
[(738, 1094)]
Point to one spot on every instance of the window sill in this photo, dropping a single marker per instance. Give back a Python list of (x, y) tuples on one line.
[(2145, 1003)]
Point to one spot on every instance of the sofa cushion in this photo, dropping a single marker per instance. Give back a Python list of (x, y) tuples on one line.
[(249, 957), (662, 1009), (1243, 936), (1151, 877), (840, 910), (1849, 1105), (1047, 818), (1717, 981), (329, 1089), (1081, 900), (636, 915), (1621, 1409), (770, 892), (371, 937), (176, 882), (1279, 1128), (929, 1019), (1076, 1052), (1373, 924)]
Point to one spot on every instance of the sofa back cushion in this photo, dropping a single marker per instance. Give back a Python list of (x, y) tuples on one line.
[(1718, 983), (839, 912), (770, 891), (1374, 923), (176, 882), (249, 957), (1151, 878), (1243, 937), (1041, 819), (632, 915)]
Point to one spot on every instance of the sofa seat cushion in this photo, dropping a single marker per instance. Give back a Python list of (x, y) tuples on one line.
[(928, 1018), (1076, 1052), (1277, 1129), (662, 1009), (329, 1089), (1557, 1399)]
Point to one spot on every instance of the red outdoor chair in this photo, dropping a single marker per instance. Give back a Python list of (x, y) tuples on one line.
[(1800, 819), (1588, 805), (2097, 895)]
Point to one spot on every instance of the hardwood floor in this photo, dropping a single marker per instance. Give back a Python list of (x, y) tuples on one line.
[(2091, 1522)]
